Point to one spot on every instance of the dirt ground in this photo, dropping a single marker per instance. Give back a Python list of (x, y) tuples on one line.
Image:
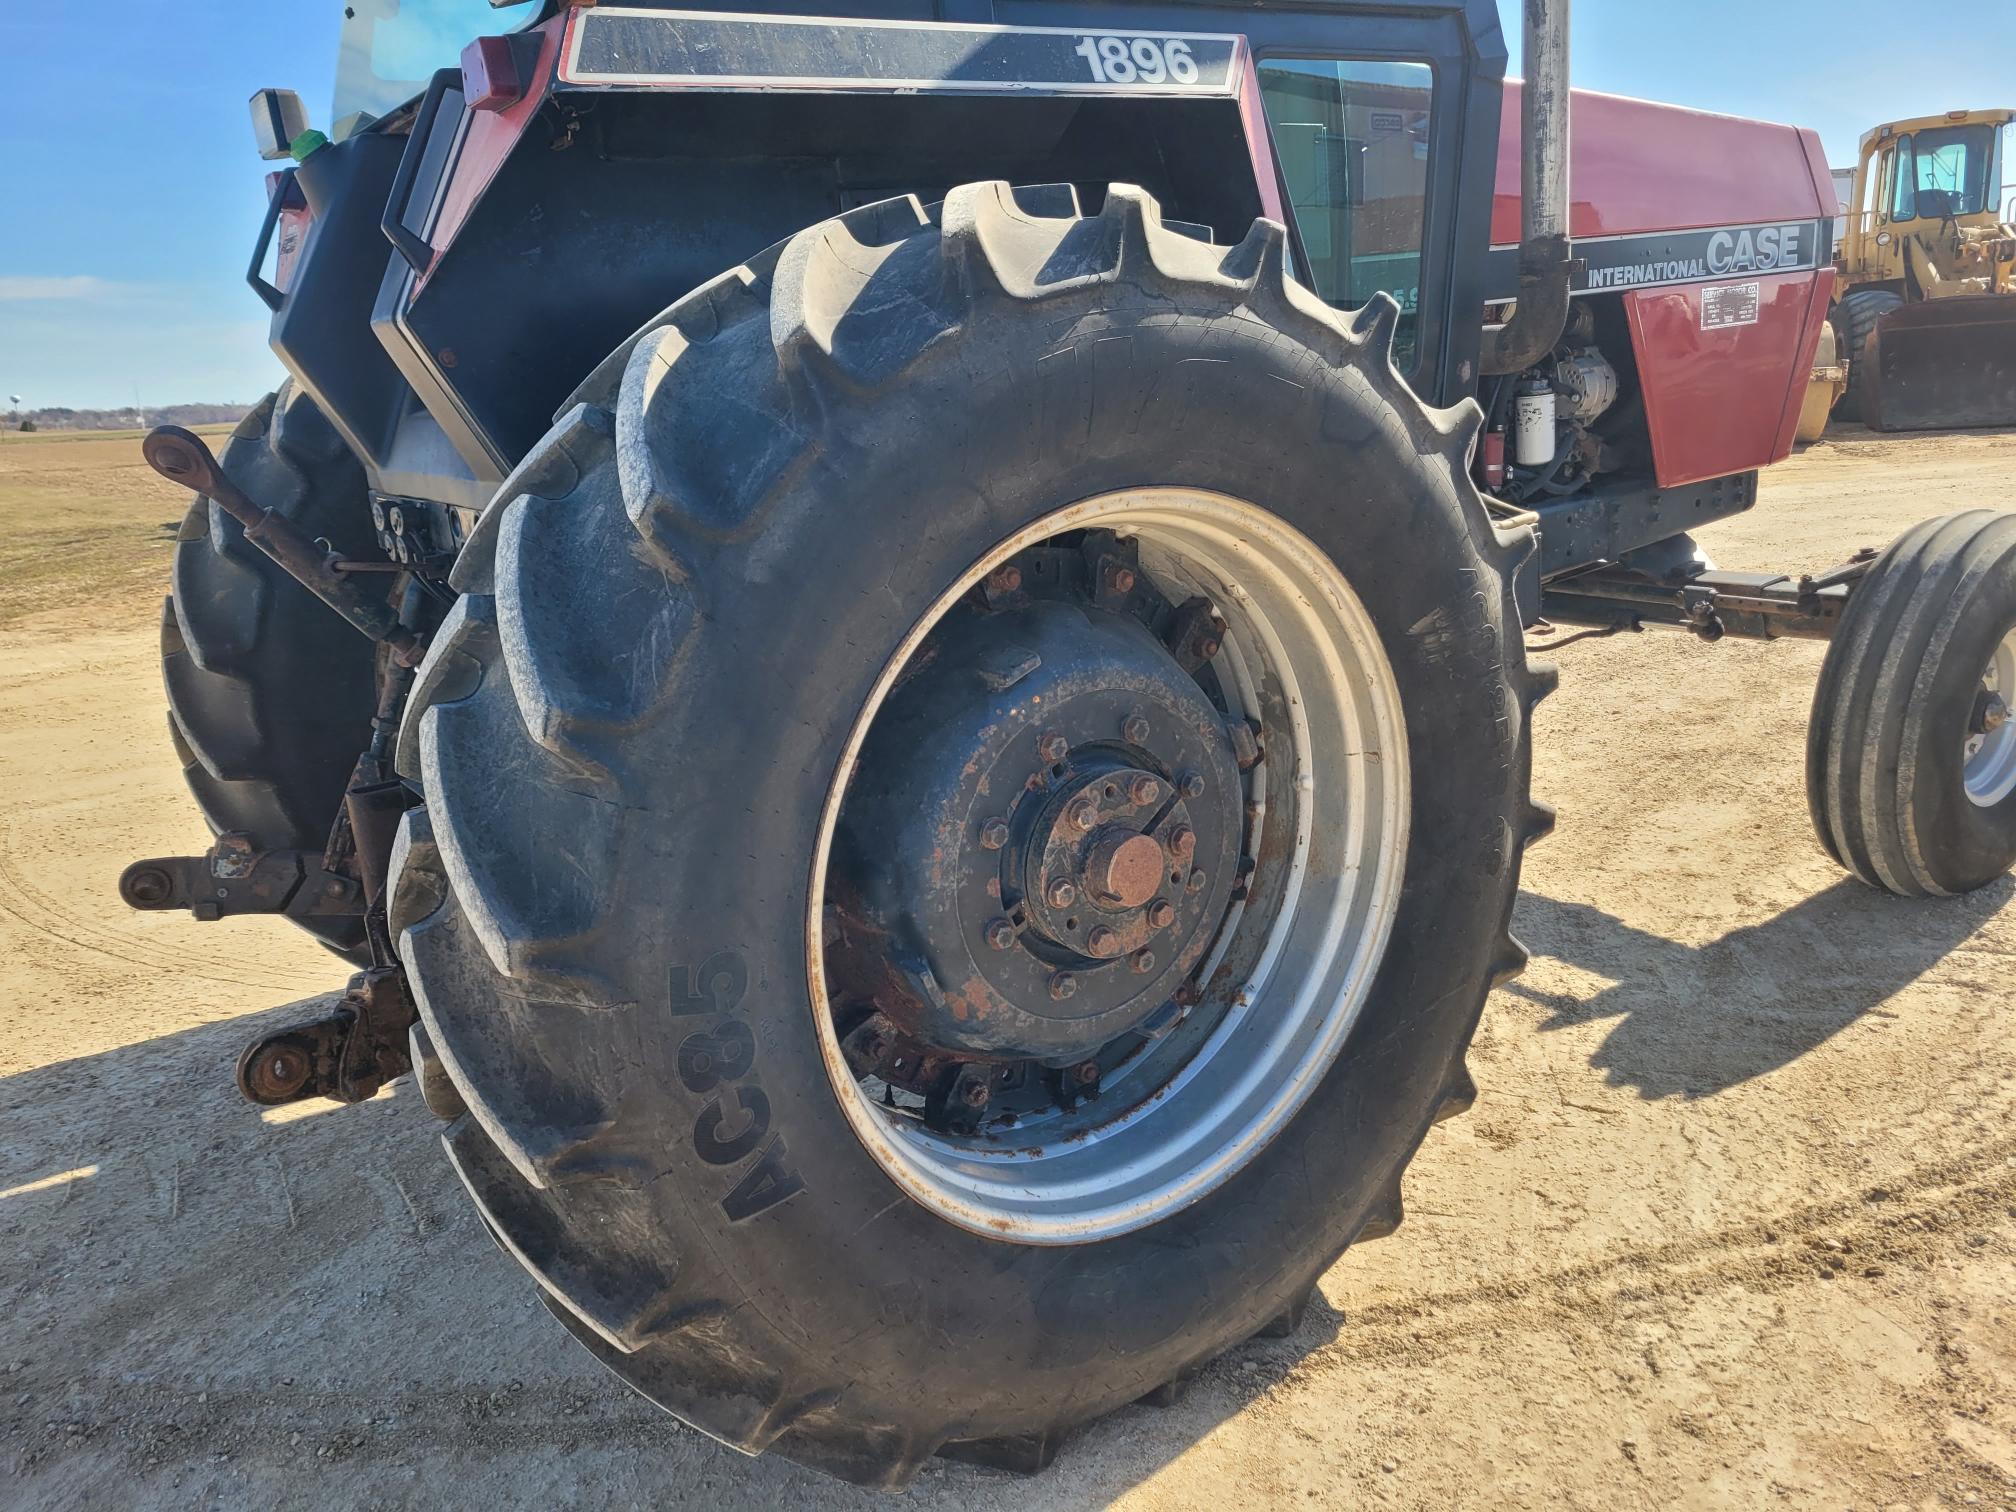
[(1732, 1224)]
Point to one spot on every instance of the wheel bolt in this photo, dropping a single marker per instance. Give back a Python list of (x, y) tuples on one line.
[(1182, 842), (1062, 986), (1191, 784), (1161, 913), (975, 1094), (1083, 814), (1053, 746), (1120, 579), (1060, 893), (1085, 1073), (1134, 729), (1142, 962), (1102, 941), (1144, 791), (1197, 881), (1000, 934), (1207, 647), (1006, 579), (994, 833)]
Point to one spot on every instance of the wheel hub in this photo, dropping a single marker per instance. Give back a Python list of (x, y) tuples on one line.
[(1045, 825)]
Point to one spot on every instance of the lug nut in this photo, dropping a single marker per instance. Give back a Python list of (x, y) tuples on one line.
[(1144, 791), (994, 833), (1208, 647), (1000, 934), (1060, 893), (1001, 580), (1161, 913), (1053, 746), (1141, 962), (1191, 784), (1120, 579), (1134, 729), (1062, 986), (976, 1094), (1182, 842), (1197, 881), (1083, 814), (1102, 941), (1085, 1073)]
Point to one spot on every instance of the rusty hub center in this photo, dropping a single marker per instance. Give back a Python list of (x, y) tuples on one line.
[(1045, 829), (1126, 868)]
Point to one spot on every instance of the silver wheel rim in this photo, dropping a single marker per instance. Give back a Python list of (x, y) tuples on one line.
[(1288, 974), (1989, 758)]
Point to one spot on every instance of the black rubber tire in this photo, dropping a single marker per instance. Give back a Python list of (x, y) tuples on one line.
[(629, 723), (1854, 318), (270, 692), (1885, 744)]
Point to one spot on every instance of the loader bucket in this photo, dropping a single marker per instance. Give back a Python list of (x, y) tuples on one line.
[(1942, 364)]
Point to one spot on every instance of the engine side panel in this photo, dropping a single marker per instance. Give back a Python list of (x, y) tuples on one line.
[(1724, 367)]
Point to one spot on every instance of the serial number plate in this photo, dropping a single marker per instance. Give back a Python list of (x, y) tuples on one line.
[(611, 45), (1724, 305)]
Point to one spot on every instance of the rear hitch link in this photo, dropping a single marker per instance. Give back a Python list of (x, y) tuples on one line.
[(182, 457), (349, 1054)]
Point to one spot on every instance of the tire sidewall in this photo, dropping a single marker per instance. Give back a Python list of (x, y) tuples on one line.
[(1963, 844), (800, 613)]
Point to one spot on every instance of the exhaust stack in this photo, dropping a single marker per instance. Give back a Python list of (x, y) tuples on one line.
[(1545, 258)]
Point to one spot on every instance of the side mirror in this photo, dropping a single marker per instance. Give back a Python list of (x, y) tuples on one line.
[(278, 117)]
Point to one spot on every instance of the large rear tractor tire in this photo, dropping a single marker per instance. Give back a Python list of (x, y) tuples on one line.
[(973, 798), (1911, 751), (1854, 319), (270, 693)]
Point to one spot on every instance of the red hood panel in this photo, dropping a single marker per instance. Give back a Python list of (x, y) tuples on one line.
[(1636, 166)]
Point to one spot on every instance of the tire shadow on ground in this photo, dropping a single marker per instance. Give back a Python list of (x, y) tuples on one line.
[(212, 1306), (1697, 1019)]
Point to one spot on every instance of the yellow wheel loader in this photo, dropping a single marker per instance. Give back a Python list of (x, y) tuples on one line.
[(1926, 292)]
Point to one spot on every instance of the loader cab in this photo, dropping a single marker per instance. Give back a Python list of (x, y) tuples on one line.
[(1925, 178)]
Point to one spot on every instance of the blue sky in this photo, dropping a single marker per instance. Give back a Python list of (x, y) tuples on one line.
[(130, 194)]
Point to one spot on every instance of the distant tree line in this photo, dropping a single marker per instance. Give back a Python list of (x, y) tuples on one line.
[(55, 419)]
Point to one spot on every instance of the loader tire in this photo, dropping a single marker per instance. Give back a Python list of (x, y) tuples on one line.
[(1855, 318), (676, 660), (270, 693), (1910, 752)]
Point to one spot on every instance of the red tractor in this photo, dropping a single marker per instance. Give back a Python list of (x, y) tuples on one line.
[(936, 810)]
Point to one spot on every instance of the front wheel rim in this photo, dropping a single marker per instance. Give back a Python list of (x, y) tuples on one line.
[(1988, 762), (1291, 967)]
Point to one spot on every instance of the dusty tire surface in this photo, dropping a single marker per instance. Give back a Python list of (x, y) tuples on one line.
[(270, 693), (629, 724), (1886, 746), (1858, 313)]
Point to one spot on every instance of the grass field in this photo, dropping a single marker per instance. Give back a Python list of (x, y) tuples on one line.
[(87, 524)]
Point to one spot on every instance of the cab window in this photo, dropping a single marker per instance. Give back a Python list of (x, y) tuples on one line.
[(1352, 136), (1903, 182)]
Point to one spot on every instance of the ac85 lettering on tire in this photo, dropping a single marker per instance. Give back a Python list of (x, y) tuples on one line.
[(720, 1060)]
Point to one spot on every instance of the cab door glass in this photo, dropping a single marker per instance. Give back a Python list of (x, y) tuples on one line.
[(1352, 136), (1903, 184)]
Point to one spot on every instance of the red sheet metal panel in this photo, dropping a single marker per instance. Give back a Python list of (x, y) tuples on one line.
[(1724, 366), (1638, 166)]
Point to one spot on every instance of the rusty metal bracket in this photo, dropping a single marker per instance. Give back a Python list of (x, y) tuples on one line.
[(235, 878), (347, 1056)]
